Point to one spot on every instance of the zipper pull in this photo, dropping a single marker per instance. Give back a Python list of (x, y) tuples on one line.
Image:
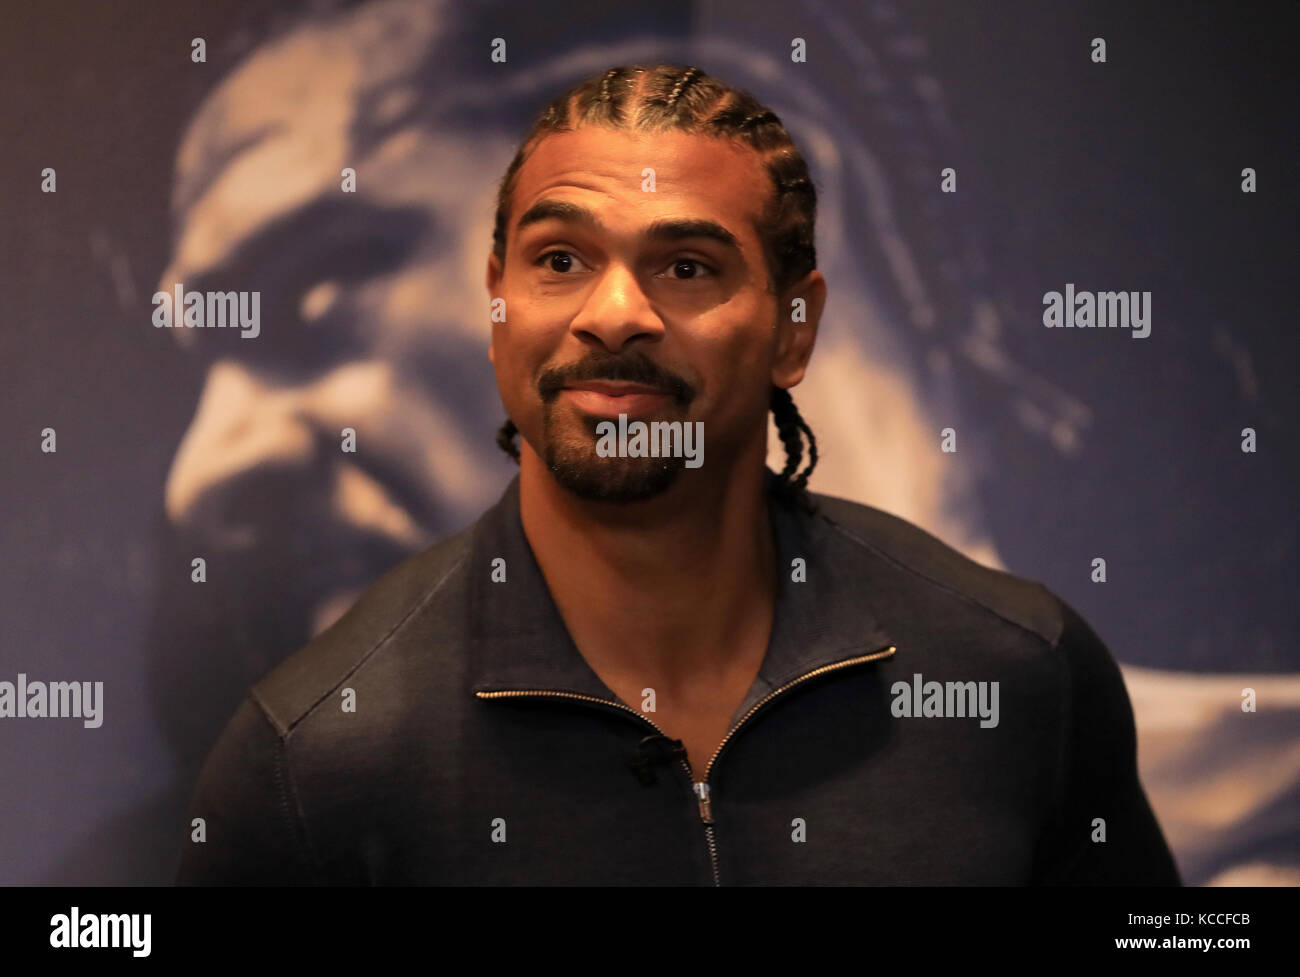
[(702, 792)]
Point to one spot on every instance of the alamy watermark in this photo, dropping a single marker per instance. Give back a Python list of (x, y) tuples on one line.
[(53, 700), (945, 700), (208, 310), (1100, 310), (77, 930), (655, 439)]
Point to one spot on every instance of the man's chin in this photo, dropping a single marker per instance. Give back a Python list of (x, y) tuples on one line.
[(596, 479), (571, 456)]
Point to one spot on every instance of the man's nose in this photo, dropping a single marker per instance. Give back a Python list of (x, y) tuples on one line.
[(246, 447), (617, 311)]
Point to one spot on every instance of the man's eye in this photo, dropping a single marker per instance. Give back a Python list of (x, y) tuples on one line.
[(686, 269), (558, 261)]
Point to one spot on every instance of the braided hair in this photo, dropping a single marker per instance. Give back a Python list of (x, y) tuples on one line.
[(658, 97)]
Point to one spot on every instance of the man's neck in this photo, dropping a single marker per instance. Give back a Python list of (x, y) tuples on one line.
[(675, 592)]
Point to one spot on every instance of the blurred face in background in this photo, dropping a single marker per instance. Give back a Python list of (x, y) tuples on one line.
[(370, 319)]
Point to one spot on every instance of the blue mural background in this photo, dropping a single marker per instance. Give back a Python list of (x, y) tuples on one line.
[(1074, 444)]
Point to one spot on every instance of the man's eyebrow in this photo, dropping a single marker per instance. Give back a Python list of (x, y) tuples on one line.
[(664, 229)]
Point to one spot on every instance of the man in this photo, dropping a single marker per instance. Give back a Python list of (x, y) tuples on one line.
[(370, 323), (676, 667)]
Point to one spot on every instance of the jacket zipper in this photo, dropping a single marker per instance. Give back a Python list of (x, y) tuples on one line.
[(700, 788)]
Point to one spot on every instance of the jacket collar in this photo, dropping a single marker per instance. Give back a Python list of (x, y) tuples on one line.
[(520, 641)]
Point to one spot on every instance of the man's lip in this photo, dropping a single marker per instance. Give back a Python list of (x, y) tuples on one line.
[(612, 388), (609, 400)]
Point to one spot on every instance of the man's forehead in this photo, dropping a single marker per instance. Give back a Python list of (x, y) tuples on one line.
[(276, 134), (702, 173), (310, 83)]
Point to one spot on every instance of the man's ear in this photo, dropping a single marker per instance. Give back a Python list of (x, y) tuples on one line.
[(798, 313)]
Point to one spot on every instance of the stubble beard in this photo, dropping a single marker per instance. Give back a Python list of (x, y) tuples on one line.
[(570, 454)]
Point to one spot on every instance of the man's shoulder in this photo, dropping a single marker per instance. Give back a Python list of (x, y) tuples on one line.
[(922, 563), (421, 585)]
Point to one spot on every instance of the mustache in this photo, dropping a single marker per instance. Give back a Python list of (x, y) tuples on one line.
[(633, 368)]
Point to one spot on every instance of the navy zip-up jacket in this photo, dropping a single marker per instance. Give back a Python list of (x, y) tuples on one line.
[(446, 730)]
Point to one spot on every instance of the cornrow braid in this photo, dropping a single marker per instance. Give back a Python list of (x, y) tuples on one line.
[(506, 439), (685, 98), (688, 76), (610, 75), (758, 119), (791, 427)]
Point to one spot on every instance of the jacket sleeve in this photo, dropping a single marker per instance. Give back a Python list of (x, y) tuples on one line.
[(253, 832), (1098, 778)]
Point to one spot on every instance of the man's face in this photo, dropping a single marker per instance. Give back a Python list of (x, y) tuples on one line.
[(663, 294)]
